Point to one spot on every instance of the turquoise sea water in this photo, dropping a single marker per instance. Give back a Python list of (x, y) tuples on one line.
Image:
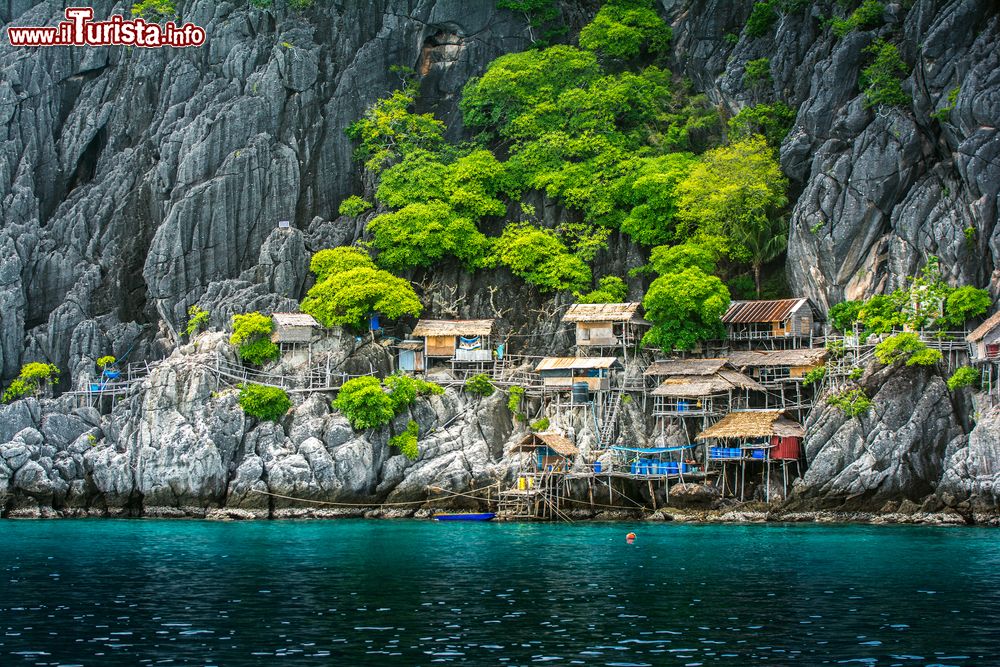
[(419, 592)]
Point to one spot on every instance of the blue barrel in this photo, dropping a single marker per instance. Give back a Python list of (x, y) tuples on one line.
[(581, 392)]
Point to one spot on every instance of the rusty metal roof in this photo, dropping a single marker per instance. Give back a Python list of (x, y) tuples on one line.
[(750, 312), (602, 312), (685, 367), (453, 328), (554, 441), (983, 329), (576, 363), (753, 424), (806, 356), (294, 320)]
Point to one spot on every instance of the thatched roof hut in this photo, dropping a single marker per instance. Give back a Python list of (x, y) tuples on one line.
[(753, 424)]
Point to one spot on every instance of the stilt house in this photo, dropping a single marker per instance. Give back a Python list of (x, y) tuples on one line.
[(768, 322), (456, 340), (568, 373), (698, 387), (984, 341), (553, 451), (294, 330), (606, 324)]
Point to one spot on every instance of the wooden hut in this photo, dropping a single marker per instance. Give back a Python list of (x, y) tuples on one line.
[(756, 436), (984, 341), (772, 367), (561, 373), (606, 324), (553, 451), (698, 387), (769, 321), (294, 329), (411, 356), (458, 340)]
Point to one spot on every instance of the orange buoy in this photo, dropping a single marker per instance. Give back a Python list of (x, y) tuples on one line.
[(630, 538)]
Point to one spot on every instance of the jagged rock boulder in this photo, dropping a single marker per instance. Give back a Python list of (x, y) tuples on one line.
[(972, 466), (895, 451)]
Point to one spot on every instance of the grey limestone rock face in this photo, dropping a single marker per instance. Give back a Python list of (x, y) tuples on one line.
[(972, 466), (895, 451)]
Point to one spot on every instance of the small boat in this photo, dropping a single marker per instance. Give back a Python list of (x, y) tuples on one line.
[(484, 516)]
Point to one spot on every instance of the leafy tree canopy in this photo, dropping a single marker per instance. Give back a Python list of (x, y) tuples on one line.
[(610, 289), (538, 256), (624, 29), (685, 308), (342, 258), (424, 234), (349, 297)]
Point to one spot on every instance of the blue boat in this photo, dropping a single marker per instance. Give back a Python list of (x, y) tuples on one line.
[(485, 516)]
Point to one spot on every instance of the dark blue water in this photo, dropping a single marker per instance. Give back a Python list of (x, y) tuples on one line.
[(411, 592)]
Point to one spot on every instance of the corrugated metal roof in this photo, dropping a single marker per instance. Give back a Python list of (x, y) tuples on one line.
[(576, 363), (685, 367), (980, 332), (753, 424), (453, 328), (691, 386), (294, 320), (602, 312), (554, 441), (749, 312), (806, 356)]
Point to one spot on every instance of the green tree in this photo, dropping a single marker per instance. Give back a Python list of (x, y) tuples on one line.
[(263, 402), (675, 259), (154, 10), (965, 376), (252, 338), (105, 361), (844, 314), (882, 81), (34, 377), (651, 191), (964, 303), (625, 29), (347, 298), (762, 243), (388, 130), (424, 235), (540, 258), (336, 260), (364, 403), (852, 402), (906, 347), (480, 385), (610, 289), (762, 17), (730, 195), (772, 121), (354, 206), (757, 71), (685, 309)]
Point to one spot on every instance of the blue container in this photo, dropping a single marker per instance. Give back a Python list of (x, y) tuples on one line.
[(758, 454), (597, 466), (112, 374), (373, 322), (94, 386)]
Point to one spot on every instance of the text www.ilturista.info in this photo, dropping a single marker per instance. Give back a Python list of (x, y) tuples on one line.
[(79, 30)]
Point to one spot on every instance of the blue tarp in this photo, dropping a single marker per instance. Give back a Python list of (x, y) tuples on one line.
[(652, 450)]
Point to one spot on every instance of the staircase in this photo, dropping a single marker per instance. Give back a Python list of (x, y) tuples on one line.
[(609, 420)]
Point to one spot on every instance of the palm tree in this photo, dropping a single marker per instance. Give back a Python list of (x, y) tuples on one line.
[(764, 243)]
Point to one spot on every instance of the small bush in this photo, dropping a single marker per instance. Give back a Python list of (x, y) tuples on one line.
[(868, 15), (772, 121), (882, 81), (301, 5), (514, 396), (757, 71), (104, 362), (844, 314), (407, 441), (610, 289), (479, 385), (965, 303), (252, 338), (354, 206), (762, 18), (404, 389), (364, 403), (966, 376), (154, 10), (540, 425), (197, 319), (33, 377), (267, 403), (852, 402), (906, 347), (814, 375), (835, 348), (261, 4), (944, 113)]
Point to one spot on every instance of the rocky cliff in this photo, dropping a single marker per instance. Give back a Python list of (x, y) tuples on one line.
[(136, 182)]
